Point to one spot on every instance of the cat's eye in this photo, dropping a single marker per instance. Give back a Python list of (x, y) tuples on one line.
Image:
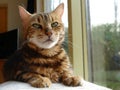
[(37, 26), (54, 24)]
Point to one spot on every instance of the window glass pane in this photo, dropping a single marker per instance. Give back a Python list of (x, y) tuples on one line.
[(105, 42)]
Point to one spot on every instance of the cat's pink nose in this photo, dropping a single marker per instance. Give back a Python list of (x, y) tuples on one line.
[(48, 33)]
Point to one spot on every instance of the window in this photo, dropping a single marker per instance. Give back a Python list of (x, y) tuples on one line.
[(94, 32), (104, 41)]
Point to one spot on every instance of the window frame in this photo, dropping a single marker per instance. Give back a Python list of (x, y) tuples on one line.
[(77, 15)]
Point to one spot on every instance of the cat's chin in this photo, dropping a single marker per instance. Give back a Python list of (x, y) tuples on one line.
[(45, 45)]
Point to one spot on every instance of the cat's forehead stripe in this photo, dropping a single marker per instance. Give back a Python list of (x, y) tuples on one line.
[(51, 18), (38, 19), (41, 15), (46, 17)]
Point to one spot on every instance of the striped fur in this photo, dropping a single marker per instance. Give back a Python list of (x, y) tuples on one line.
[(41, 60)]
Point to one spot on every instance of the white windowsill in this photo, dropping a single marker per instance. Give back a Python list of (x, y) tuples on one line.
[(13, 85)]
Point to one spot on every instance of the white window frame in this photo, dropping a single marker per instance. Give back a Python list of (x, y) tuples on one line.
[(77, 27)]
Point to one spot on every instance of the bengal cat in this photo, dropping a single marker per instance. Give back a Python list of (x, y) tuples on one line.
[(41, 60)]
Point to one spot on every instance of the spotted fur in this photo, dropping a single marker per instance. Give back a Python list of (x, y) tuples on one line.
[(41, 60)]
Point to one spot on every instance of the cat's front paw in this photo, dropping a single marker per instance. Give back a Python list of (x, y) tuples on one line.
[(73, 81), (41, 82)]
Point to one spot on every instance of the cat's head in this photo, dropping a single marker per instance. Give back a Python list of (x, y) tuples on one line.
[(45, 30)]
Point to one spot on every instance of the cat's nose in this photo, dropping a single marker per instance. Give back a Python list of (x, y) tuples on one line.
[(48, 33)]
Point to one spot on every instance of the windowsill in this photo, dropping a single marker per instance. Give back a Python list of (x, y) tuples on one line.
[(13, 85)]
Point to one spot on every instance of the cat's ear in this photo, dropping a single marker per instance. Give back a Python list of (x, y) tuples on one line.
[(24, 14), (59, 10)]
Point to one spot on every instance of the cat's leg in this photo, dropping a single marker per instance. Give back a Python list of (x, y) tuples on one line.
[(70, 80), (34, 79)]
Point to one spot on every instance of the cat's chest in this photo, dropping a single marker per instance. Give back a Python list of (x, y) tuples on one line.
[(49, 66), (48, 70), (55, 61), (47, 63)]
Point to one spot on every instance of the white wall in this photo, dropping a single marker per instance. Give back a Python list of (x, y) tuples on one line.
[(13, 15)]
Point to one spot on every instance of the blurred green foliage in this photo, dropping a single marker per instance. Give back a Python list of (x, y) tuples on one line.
[(109, 36)]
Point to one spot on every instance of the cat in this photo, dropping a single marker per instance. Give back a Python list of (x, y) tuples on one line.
[(41, 60)]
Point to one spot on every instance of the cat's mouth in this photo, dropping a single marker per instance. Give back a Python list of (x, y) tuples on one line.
[(48, 40)]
